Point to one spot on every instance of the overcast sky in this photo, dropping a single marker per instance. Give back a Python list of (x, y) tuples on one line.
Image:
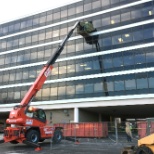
[(12, 9)]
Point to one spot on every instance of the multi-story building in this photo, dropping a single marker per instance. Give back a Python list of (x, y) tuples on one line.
[(85, 85)]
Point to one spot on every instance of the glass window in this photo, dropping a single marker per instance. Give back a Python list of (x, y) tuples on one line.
[(23, 25), (70, 68), (12, 77), (5, 77), (89, 88), (107, 41), (70, 47), (119, 85), (80, 67), (115, 19), (79, 89), (110, 86), (62, 70), (18, 75), (88, 66), (54, 71), (46, 92), (56, 15), (48, 33), (147, 11), (97, 22), (96, 65), (139, 57), (138, 35), (29, 23), (151, 82), (148, 33), (41, 35), (149, 57), (71, 11), (40, 54), (63, 31), (114, 1), (135, 14), (3, 44), (125, 16), (107, 63), (127, 37), (130, 84), (128, 59), (54, 91), (28, 39), (106, 21), (5, 30), (117, 40), (63, 13), (56, 33), (87, 7), (34, 54), (98, 87), (105, 2), (11, 28), (22, 41), (142, 83), (32, 73), (61, 90), (36, 20), (71, 90), (17, 26), (17, 95), (79, 9), (96, 4), (43, 19), (2, 60), (79, 46), (7, 60), (49, 17), (34, 37), (117, 61)]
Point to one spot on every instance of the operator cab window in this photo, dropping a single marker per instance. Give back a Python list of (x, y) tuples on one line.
[(40, 115)]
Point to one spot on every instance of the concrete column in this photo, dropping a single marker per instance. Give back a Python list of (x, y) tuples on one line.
[(76, 114)]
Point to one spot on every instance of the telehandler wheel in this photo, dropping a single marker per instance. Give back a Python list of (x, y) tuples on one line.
[(57, 137), (143, 150), (33, 136)]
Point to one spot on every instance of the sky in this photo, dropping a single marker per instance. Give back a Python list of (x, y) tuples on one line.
[(13, 9)]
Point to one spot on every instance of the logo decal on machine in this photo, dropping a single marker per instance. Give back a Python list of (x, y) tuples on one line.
[(47, 72), (48, 130), (29, 122)]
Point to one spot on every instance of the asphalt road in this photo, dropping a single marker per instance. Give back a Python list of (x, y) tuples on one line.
[(66, 147)]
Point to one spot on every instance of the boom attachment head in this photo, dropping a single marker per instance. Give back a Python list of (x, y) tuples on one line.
[(85, 29)]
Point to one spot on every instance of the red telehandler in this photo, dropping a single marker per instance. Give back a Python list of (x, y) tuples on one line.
[(28, 124)]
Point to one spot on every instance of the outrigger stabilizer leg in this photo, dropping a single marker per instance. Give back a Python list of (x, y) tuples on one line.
[(37, 146)]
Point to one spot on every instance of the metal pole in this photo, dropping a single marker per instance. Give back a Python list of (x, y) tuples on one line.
[(116, 130)]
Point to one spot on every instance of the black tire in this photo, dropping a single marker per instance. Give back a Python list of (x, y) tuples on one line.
[(33, 136), (143, 150), (14, 142), (57, 137)]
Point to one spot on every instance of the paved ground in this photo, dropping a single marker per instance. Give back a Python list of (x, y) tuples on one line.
[(86, 146)]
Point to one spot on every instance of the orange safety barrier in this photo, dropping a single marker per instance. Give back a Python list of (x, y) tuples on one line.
[(87, 129)]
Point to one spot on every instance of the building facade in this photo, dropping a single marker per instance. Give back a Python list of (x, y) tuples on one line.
[(84, 85)]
